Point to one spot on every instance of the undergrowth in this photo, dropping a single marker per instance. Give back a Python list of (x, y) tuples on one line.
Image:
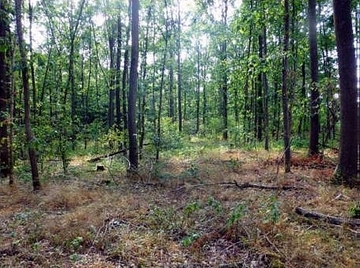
[(184, 211)]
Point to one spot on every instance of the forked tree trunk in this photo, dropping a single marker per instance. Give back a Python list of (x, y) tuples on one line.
[(25, 80)]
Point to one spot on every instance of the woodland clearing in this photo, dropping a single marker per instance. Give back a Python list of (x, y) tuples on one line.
[(188, 210)]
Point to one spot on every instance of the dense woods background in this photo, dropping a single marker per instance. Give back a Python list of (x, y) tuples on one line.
[(253, 73)]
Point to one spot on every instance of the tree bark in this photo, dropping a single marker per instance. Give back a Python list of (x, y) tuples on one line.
[(5, 89), (25, 81), (118, 74), (347, 170), (32, 68), (224, 75), (133, 154), (314, 91), (179, 76), (285, 98)]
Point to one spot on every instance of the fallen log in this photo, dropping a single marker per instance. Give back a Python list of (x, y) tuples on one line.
[(330, 219), (98, 158)]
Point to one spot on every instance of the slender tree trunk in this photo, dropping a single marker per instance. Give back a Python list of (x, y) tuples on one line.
[(112, 78), (125, 78), (143, 79), (179, 78), (198, 76), (171, 89), (25, 80), (118, 74), (224, 76), (302, 120), (161, 88), (285, 99), (266, 92), (5, 91), (32, 68), (347, 170), (314, 107), (204, 97), (133, 154), (259, 104)]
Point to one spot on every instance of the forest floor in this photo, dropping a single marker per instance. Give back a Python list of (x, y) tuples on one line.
[(192, 209)]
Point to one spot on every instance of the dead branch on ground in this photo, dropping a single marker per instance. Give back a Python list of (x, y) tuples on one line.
[(330, 219), (95, 159), (247, 185)]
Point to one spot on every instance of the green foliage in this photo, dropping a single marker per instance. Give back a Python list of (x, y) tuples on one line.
[(354, 210), (215, 204), (164, 220), (189, 239), (191, 208), (76, 243), (237, 214), (271, 210)]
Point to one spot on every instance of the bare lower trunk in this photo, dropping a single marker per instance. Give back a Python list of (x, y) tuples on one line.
[(25, 80)]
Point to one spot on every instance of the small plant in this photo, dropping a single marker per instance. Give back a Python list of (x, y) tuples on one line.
[(191, 208), (237, 213), (272, 210), (355, 211), (164, 219), (74, 257), (193, 170), (188, 240), (76, 242), (215, 204)]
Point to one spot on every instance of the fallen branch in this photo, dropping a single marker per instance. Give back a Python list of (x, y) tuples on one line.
[(92, 160), (265, 187), (245, 185), (330, 219)]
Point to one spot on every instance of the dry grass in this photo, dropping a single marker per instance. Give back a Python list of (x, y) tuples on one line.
[(183, 215)]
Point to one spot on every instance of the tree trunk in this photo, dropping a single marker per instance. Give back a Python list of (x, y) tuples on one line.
[(125, 79), (111, 40), (179, 82), (161, 87), (198, 77), (143, 79), (314, 92), (284, 90), (133, 154), (5, 89), (25, 80), (266, 92), (118, 74), (224, 75), (32, 68), (347, 170)]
